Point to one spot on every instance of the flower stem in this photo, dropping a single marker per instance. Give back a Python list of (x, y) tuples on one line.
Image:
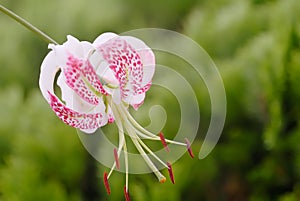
[(27, 25)]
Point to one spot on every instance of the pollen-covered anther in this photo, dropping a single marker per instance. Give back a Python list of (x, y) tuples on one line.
[(126, 194), (171, 172), (163, 180), (106, 184), (188, 145), (163, 141), (116, 158)]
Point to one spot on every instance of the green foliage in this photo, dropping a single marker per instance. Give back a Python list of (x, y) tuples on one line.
[(255, 45), (41, 158)]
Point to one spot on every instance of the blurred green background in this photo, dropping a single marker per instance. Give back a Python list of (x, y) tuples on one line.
[(255, 45)]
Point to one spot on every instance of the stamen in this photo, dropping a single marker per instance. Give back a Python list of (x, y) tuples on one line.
[(106, 184), (188, 145), (163, 141), (163, 180), (171, 172), (116, 158), (132, 134), (151, 152), (126, 193), (126, 166)]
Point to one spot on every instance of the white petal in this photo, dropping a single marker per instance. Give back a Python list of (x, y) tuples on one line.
[(73, 46), (61, 55), (148, 74), (66, 92), (136, 100), (97, 60), (49, 69), (103, 38)]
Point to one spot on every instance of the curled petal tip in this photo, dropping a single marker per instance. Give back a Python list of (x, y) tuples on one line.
[(126, 194), (106, 184), (116, 158), (83, 121), (171, 172), (188, 145), (163, 141)]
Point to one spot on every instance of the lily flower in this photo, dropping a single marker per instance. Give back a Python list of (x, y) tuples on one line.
[(99, 81)]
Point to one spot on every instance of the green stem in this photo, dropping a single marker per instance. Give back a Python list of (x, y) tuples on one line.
[(27, 25)]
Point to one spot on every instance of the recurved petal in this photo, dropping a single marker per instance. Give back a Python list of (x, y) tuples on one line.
[(49, 69), (87, 122)]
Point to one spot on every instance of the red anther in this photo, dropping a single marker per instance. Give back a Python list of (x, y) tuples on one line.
[(163, 141), (106, 184), (171, 172), (116, 158), (126, 193), (188, 145)]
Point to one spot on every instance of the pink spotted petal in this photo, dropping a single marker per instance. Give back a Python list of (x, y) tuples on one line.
[(75, 102), (72, 100), (79, 75), (125, 63), (146, 55), (102, 69), (76, 112), (89, 73), (118, 56), (72, 58), (75, 80), (98, 60), (87, 122)]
